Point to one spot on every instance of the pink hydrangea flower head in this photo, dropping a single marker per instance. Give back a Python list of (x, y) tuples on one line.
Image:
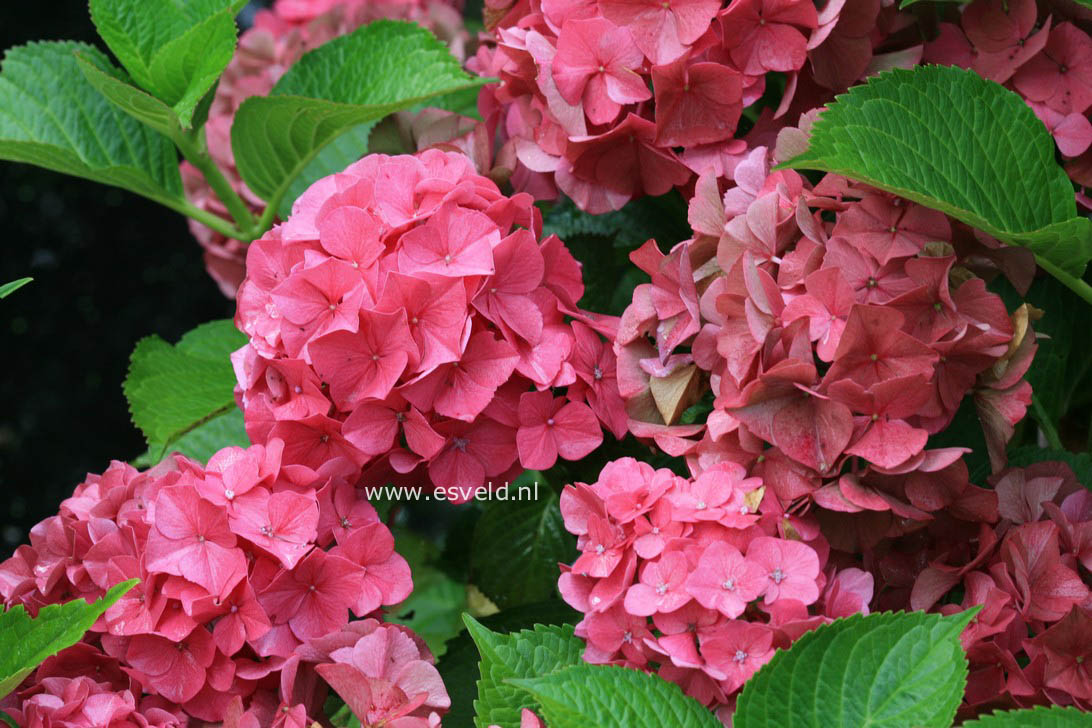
[(240, 562), (662, 581), (426, 334)]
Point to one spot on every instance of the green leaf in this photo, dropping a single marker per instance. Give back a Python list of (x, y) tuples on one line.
[(9, 288), (204, 441), (609, 696), (175, 390), (53, 117), (1061, 377), (174, 50), (527, 653), (516, 548), (8, 719), (138, 104), (602, 244), (953, 141), (1037, 717), (883, 671), (434, 608), (356, 79), (459, 668), (334, 157), (25, 642), (1079, 463)]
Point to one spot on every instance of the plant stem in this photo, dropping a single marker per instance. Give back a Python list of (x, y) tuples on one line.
[(1071, 282), (195, 150), (265, 222), (1045, 425), (208, 219)]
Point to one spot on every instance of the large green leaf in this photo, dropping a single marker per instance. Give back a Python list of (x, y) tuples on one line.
[(608, 696), (52, 117), (953, 141), (174, 50), (174, 390), (359, 78), (459, 668), (139, 104), (1037, 717), (882, 671), (25, 642), (504, 657), (334, 157), (516, 548), (205, 440)]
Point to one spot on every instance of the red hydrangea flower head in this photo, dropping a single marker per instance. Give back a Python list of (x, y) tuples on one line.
[(409, 319), (692, 578), (829, 331), (241, 564)]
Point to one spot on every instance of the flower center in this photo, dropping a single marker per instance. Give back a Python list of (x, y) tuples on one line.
[(728, 585), (740, 656), (777, 576)]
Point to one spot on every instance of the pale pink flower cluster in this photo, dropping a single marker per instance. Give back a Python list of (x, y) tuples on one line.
[(690, 578)]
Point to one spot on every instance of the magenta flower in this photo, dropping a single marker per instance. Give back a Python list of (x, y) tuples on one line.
[(791, 568), (661, 586), (1060, 76), (176, 670), (765, 35), (725, 581), (738, 649), (191, 538), (366, 363), (314, 598), (549, 427), (595, 65), (662, 32), (282, 524)]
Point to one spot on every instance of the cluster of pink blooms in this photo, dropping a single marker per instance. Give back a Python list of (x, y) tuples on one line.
[(609, 100), (1026, 560), (408, 317), (248, 572), (685, 577), (1046, 60), (833, 331), (275, 42)]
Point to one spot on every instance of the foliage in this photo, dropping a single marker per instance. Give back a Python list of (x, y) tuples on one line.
[(990, 164), (182, 395), (26, 641)]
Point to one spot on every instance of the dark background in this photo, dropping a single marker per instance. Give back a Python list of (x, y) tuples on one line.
[(109, 268)]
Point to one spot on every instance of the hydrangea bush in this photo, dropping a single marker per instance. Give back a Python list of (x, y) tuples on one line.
[(592, 363)]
